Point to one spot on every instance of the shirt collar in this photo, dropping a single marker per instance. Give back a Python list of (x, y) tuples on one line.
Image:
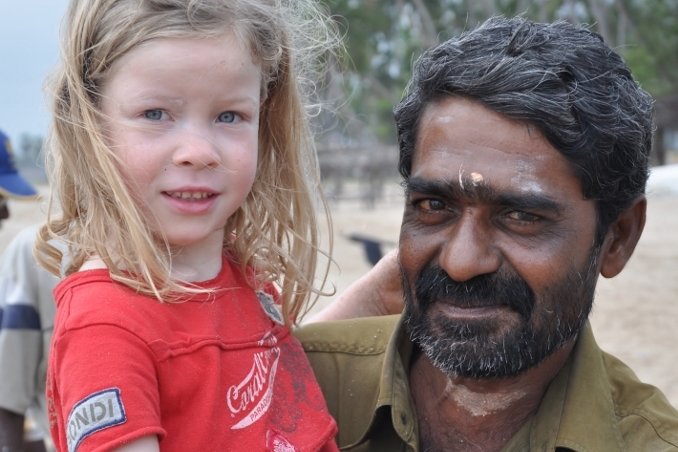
[(393, 404), (395, 388), (580, 387)]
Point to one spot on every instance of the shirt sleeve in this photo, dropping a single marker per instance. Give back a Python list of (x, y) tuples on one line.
[(105, 380)]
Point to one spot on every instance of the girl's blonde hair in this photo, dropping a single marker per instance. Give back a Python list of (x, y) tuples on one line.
[(275, 230)]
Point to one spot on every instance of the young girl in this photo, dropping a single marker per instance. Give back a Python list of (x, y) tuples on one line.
[(181, 159)]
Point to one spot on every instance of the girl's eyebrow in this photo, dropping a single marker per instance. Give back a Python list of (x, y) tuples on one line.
[(149, 96), (481, 192)]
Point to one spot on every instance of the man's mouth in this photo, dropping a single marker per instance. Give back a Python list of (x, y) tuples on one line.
[(484, 293)]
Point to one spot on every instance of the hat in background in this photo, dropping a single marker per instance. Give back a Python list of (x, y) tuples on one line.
[(12, 184)]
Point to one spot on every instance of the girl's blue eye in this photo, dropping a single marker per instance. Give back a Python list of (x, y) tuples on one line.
[(227, 116), (155, 115)]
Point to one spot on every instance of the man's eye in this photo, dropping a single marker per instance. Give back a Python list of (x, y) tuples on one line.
[(430, 205), (524, 217), (154, 115), (227, 116)]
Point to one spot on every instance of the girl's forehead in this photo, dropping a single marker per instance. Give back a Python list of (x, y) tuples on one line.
[(185, 68), (227, 49)]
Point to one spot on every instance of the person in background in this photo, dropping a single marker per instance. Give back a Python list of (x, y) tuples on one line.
[(26, 320), (524, 151)]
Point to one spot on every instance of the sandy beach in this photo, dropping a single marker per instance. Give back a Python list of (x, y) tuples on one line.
[(634, 314)]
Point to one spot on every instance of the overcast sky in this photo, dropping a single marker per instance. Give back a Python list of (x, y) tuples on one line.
[(29, 31)]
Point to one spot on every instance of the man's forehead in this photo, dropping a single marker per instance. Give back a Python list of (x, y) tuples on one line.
[(470, 172), (468, 145), (463, 185), (471, 185), (474, 187)]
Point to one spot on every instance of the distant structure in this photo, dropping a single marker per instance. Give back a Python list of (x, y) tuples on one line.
[(666, 136), (357, 173)]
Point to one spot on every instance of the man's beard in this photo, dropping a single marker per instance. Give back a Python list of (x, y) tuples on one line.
[(469, 349)]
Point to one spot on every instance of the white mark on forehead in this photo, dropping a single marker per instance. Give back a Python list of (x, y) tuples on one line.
[(525, 179), (527, 186), (476, 178), (461, 176)]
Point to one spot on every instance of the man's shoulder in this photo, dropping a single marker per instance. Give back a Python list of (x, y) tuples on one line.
[(625, 413), (360, 336), (350, 359), (645, 415), (348, 350)]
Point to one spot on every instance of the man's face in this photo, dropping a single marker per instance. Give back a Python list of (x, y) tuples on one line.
[(497, 245)]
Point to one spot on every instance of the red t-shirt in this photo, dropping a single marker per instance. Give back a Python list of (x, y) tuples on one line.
[(210, 373)]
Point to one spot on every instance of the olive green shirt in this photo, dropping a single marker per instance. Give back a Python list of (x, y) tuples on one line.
[(595, 403)]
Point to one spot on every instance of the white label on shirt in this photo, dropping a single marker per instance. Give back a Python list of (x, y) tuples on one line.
[(249, 399), (276, 442), (95, 412)]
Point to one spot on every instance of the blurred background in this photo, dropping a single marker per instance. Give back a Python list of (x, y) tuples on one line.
[(382, 37), (635, 313)]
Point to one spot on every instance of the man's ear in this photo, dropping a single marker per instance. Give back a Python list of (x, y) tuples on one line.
[(622, 237)]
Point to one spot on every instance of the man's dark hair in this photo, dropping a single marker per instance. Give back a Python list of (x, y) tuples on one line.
[(559, 78)]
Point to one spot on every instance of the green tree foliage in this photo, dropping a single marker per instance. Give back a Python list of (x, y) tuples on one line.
[(383, 37), (653, 49)]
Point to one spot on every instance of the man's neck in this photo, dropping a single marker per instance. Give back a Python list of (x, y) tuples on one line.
[(464, 414)]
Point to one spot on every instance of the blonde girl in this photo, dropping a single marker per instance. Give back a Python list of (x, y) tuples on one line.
[(183, 167)]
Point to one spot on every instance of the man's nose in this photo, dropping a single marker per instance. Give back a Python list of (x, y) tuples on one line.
[(196, 148), (469, 250)]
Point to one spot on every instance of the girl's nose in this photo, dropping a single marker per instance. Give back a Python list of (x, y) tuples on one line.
[(196, 149)]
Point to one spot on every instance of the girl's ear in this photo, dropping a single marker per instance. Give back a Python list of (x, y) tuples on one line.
[(622, 237)]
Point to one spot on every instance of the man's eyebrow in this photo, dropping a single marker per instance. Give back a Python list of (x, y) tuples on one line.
[(451, 189), (529, 200), (419, 185)]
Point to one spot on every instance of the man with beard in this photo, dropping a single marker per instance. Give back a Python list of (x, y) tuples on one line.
[(524, 151)]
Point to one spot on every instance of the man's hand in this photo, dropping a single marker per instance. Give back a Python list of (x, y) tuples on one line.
[(378, 292)]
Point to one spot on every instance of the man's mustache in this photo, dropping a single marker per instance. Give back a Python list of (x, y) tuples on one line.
[(493, 289)]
